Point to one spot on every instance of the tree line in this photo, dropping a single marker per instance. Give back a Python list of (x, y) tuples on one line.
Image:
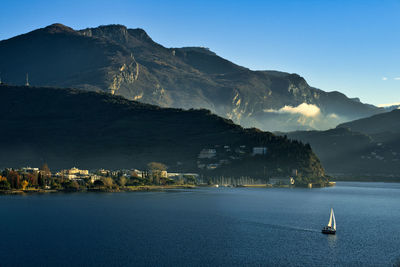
[(154, 175)]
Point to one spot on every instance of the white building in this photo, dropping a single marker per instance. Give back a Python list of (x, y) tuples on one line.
[(30, 170), (70, 176), (73, 173), (136, 173), (75, 170)]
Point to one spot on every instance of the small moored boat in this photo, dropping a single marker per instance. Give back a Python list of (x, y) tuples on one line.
[(330, 229)]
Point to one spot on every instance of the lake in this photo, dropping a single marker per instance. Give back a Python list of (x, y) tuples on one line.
[(205, 226)]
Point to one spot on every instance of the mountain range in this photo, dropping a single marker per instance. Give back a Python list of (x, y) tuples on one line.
[(70, 127), (368, 147), (127, 62)]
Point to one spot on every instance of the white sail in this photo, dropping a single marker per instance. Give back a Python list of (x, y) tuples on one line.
[(330, 219), (334, 221)]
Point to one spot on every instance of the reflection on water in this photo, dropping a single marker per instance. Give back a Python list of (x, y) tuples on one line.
[(331, 241)]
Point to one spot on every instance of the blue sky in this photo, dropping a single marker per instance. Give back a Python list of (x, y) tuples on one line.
[(349, 46)]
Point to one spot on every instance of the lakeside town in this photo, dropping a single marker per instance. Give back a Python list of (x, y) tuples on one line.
[(154, 177)]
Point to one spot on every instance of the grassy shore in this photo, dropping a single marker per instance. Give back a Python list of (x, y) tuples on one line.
[(27, 191), (120, 189)]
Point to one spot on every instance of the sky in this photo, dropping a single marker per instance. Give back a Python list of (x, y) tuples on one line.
[(349, 46)]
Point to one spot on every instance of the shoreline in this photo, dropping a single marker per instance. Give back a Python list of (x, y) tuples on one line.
[(366, 179), (143, 188), (159, 188)]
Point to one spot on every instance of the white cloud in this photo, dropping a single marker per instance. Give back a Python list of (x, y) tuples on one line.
[(389, 105), (396, 78), (384, 78), (333, 116), (304, 109), (308, 110)]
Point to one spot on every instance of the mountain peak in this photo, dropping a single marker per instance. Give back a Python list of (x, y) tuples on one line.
[(114, 58), (117, 32), (58, 28)]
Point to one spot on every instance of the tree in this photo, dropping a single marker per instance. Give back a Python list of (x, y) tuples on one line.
[(136, 182), (41, 180), (98, 183), (45, 174), (169, 181), (45, 170), (4, 184), (156, 177), (71, 185), (122, 181), (157, 166), (108, 182), (55, 185), (156, 169), (190, 179), (24, 184), (32, 178), (14, 179)]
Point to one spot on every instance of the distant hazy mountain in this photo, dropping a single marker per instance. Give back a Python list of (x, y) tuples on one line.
[(128, 62), (383, 123), (66, 127), (365, 147)]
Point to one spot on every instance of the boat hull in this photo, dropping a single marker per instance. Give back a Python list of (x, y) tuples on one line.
[(329, 232)]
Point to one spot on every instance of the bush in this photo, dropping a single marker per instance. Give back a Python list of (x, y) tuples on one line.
[(71, 186), (108, 182), (122, 181), (98, 183), (4, 185)]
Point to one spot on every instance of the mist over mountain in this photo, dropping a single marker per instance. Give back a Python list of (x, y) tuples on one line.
[(69, 127), (129, 63), (361, 148)]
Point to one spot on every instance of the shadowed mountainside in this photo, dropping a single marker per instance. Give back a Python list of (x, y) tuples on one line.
[(128, 62), (383, 123), (67, 127), (367, 147)]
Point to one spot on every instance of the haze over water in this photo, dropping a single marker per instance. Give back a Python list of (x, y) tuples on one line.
[(210, 226)]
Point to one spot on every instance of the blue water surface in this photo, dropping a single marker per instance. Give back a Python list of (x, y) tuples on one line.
[(206, 226)]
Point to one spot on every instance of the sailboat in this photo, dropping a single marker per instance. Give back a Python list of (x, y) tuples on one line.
[(330, 229)]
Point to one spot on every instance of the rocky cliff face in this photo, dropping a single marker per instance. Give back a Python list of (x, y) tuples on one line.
[(128, 62)]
